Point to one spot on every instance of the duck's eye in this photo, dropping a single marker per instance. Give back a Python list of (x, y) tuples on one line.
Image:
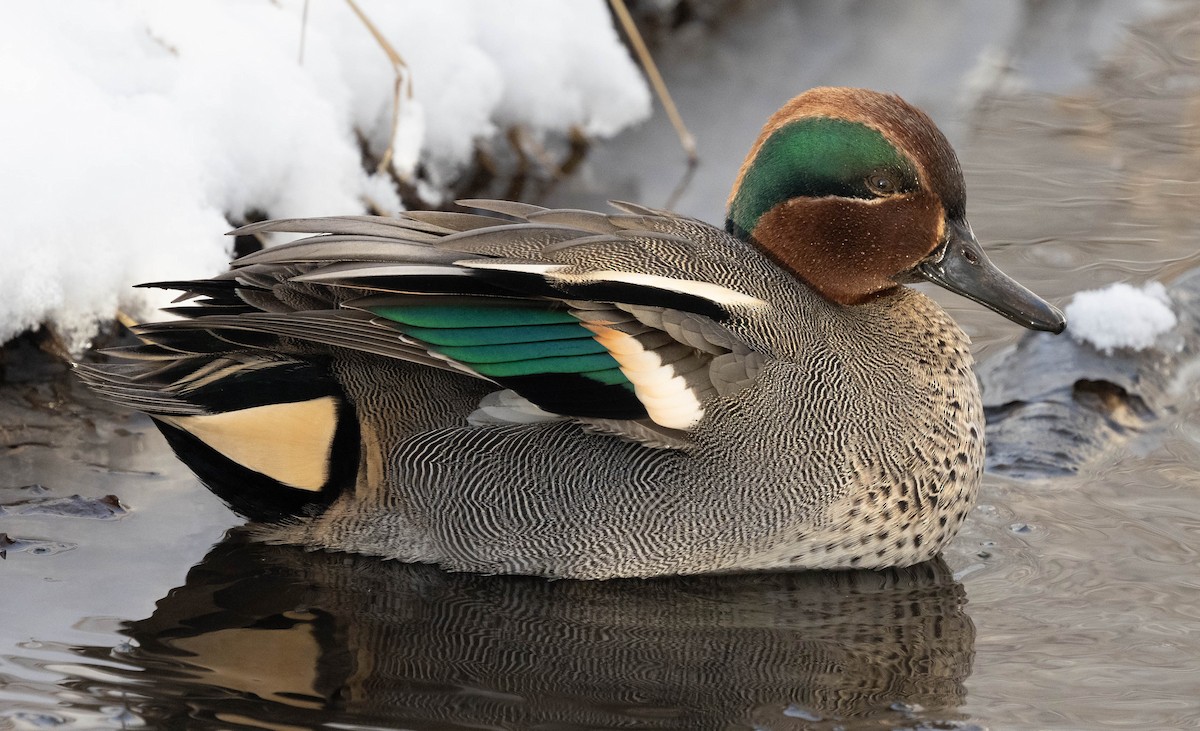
[(882, 183)]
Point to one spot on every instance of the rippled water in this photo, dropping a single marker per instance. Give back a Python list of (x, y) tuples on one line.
[(1068, 602)]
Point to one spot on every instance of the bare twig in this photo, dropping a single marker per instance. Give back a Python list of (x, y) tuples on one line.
[(579, 144), (303, 29), (50, 341), (126, 321), (656, 80), (529, 148), (681, 186), (402, 74)]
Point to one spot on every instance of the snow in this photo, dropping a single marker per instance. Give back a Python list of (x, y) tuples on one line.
[(1120, 316), (137, 131)]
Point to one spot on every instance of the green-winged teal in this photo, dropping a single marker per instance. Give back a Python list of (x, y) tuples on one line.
[(577, 394)]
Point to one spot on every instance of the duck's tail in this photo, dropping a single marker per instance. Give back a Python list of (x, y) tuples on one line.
[(273, 436)]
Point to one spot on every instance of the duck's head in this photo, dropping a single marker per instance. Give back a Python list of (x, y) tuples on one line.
[(856, 192)]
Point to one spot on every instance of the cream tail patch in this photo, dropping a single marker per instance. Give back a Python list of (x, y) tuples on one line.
[(289, 443)]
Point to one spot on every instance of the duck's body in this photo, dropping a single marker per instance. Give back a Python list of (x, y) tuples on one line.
[(591, 396), (816, 465)]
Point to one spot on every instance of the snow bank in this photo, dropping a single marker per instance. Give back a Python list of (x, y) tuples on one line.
[(1120, 316), (135, 131)]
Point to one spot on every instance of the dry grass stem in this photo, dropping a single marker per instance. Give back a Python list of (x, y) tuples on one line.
[(51, 342), (303, 30), (403, 74), (656, 80), (126, 321), (579, 146), (529, 148)]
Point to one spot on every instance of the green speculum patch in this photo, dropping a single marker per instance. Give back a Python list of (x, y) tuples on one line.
[(504, 341), (815, 157)]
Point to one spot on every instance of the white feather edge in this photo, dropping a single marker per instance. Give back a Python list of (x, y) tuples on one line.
[(526, 267), (509, 407), (705, 290), (505, 408), (669, 400)]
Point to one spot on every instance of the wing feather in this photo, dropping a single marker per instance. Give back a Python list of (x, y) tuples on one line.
[(613, 320)]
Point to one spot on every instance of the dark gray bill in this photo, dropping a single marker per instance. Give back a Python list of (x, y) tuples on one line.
[(961, 267)]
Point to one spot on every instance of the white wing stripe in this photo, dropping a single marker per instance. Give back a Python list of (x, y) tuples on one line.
[(707, 290)]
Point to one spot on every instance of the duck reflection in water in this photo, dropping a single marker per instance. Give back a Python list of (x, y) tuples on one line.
[(277, 637)]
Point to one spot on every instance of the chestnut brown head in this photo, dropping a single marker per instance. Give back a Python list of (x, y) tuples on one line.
[(856, 192)]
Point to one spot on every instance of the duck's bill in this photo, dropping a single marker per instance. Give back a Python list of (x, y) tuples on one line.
[(961, 267)]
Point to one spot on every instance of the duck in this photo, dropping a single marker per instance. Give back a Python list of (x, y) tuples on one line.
[(514, 389)]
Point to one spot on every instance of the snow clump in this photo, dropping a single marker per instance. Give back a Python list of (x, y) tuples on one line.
[(136, 131), (1120, 316)]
